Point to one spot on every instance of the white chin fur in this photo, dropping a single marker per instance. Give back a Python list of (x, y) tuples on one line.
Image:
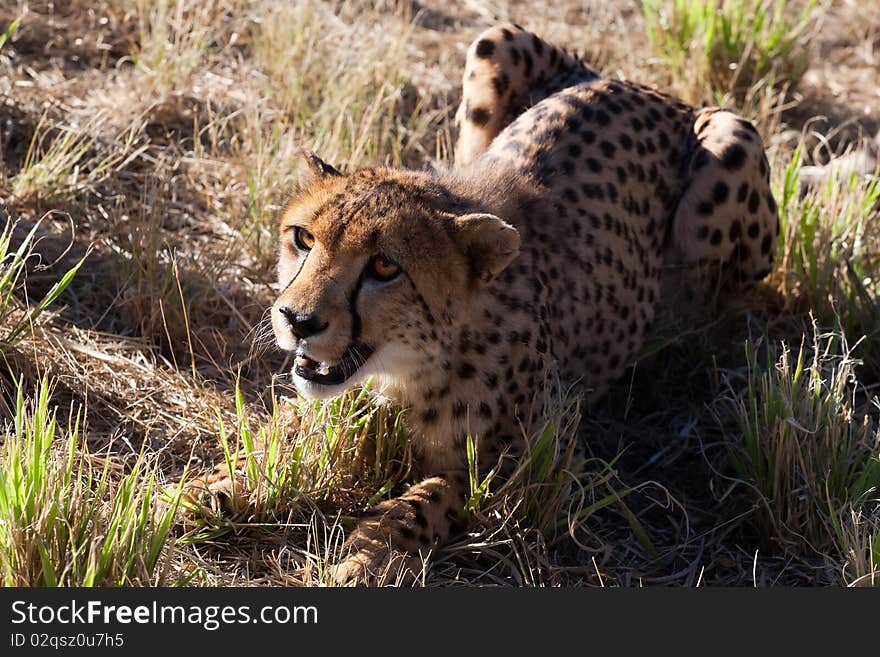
[(315, 391)]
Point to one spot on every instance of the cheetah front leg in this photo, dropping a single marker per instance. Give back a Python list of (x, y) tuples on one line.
[(390, 543), (727, 213), (507, 70)]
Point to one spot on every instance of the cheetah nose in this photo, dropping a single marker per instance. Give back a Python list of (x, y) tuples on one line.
[(303, 325)]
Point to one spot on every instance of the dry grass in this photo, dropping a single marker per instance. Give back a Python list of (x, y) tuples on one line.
[(156, 140)]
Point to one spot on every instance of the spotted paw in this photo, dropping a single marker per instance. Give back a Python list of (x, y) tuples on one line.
[(378, 567), (217, 494)]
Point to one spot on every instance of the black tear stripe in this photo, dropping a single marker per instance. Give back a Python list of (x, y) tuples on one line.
[(356, 323), (294, 276)]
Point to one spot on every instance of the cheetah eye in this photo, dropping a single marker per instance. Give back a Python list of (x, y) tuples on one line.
[(382, 269), (303, 239)]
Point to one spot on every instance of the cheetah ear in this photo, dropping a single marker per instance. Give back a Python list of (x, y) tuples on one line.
[(313, 168), (489, 245)]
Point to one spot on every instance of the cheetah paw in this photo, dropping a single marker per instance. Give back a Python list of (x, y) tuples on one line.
[(370, 567), (217, 494)]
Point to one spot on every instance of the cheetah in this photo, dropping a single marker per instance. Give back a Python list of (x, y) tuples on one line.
[(540, 251)]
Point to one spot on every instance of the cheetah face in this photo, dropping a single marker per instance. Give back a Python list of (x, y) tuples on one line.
[(374, 272)]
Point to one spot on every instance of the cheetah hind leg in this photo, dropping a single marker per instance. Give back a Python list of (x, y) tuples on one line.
[(727, 215), (507, 70)]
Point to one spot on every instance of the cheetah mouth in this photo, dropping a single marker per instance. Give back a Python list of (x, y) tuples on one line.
[(327, 374)]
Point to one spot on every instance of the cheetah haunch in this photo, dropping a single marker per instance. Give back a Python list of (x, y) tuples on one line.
[(458, 290)]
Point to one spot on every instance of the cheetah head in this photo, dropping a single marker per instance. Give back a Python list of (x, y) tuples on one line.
[(375, 271)]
